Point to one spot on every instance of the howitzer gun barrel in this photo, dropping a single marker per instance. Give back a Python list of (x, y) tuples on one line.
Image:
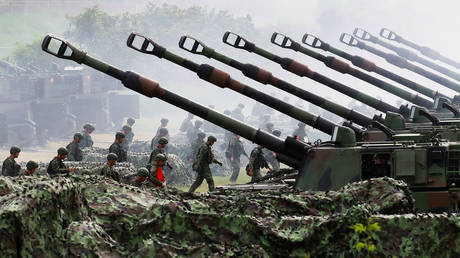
[(426, 51), (302, 70), (292, 149), (405, 53), (369, 66), (265, 77), (223, 80), (399, 61), (342, 67)]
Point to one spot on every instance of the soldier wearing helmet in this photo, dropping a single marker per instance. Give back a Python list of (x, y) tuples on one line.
[(155, 176), (201, 165), (56, 166), (269, 127), (163, 124), (87, 141), (195, 146), (300, 133), (117, 149), (108, 169), (270, 156), (234, 150), (10, 167), (256, 162), (31, 166), (127, 131), (162, 133), (193, 132), (75, 153), (160, 149)]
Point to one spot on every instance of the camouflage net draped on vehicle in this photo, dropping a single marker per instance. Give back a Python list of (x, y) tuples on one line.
[(95, 216)]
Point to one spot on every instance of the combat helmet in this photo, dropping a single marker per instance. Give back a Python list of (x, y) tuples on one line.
[(142, 172), (31, 165), (77, 136), (163, 140), (119, 135), (62, 151), (112, 156), (14, 149), (160, 157), (212, 138)]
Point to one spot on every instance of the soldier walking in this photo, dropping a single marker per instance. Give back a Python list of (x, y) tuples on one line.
[(87, 141), (270, 156), (108, 169), (234, 151), (117, 149), (256, 162), (56, 166), (75, 153), (201, 165), (127, 131), (10, 167)]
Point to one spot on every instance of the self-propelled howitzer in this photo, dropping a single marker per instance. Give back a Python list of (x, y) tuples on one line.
[(222, 79), (292, 152), (426, 51), (399, 62), (405, 53), (432, 169)]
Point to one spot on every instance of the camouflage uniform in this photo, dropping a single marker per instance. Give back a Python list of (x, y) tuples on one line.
[(10, 167), (110, 171), (117, 149), (56, 167), (87, 141), (75, 153), (270, 156), (203, 159), (256, 162), (153, 176), (235, 150)]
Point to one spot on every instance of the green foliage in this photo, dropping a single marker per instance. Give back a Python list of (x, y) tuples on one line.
[(365, 236)]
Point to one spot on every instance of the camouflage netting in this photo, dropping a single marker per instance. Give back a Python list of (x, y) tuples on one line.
[(95, 216)]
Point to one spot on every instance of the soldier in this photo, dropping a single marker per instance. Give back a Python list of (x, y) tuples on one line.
[(75, 153), (108, 169), (162, 134), (164, 124), (195, 146), (300, 133), (234, 151), (204, 157), (86, 141), (31, 166), (187, 123), (270, 156), (269, 127), (117, 149), (237, 113), (10, 167), (127, 131), (56, 167), (193, 132), (256, 162), (155, 176), (160, 149)]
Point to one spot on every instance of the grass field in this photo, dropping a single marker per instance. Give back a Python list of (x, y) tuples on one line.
[(220, 180)]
